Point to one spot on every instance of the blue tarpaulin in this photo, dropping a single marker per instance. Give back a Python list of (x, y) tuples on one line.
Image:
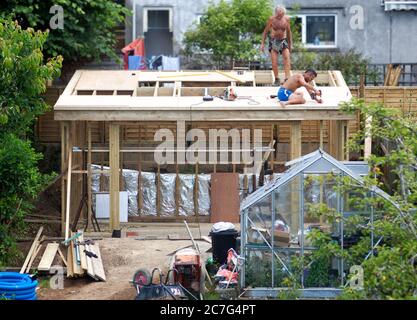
[(135, 62)]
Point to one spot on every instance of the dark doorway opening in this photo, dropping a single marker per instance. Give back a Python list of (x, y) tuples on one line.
[(158, 38)]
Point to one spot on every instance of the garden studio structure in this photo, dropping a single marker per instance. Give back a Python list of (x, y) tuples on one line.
[(109, 120), (276, 219)]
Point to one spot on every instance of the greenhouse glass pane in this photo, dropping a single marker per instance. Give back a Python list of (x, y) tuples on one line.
[(287, 212), (259, 223)]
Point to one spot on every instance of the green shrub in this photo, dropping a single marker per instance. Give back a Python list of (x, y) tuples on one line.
[(88, 25), (23, 76)]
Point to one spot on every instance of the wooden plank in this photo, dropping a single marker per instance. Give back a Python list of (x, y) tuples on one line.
[(114, 135), (89, 177), (158, 191), (321, 133), (32, 250), (90, 267), (48, 257), (64, 150), (205, 238), (62, 257), (295, 140), (336, 145), (368, 138), (70, 88), (225, 197), (68, 189), (70, 265), (38, 248), (98, 263), (82, 253)]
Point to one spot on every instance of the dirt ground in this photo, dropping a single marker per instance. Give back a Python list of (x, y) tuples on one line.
[(122, 257)]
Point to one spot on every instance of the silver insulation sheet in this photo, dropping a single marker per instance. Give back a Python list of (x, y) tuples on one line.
[(148, 187), (149, 192), (167, 189), (204, 185), (131, 178), (186, 194)]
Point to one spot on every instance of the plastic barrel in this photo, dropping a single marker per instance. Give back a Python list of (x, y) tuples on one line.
[(17, 286), (221, 242)]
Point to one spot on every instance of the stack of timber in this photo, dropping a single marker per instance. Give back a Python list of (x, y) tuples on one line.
[(84, 258), (393, 76), (33, 252)]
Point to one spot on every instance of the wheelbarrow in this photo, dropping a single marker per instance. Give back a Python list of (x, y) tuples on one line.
[(148, 290)]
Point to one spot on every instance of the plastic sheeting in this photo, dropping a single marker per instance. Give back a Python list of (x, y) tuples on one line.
[(148, 187), (186, 194), (149, 192), (167, 187), (95, 182), (204, 202)]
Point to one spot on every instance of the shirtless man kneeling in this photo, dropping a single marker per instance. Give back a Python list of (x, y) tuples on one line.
[(287, 94)]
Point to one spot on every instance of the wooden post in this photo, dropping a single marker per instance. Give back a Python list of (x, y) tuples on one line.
[(295, 140), (89, 177), (139, 195), (114, 157), (177, 190), (345, 140), (196, 190), (64, 158), (158, 192), (336, 139), (68, 195), (321, 135), (368, 138)]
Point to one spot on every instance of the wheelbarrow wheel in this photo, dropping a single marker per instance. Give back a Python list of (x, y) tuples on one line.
[(142, 277)]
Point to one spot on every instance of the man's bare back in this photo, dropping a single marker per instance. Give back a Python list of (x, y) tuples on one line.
[(287, 93), (294, 82)]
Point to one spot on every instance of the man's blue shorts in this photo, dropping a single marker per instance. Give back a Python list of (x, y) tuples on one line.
[(284, 94)]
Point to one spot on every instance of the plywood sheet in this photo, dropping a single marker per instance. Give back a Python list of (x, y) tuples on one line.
[(48, 257), (225, 197)]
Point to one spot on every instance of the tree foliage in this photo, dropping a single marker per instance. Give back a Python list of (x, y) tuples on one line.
[(88, 25), (23, 76), (390, 271), (230, 30)]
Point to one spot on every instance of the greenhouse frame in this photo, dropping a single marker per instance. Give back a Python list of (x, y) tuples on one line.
[(275, 223)]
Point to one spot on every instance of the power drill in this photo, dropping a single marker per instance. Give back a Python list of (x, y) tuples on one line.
[(314, 95)]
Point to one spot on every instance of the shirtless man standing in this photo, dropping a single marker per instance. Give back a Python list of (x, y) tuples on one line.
[(287, 92), (280, 41)]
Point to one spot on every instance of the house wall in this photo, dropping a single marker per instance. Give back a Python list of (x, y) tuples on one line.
[(387, 37), (185, 13)]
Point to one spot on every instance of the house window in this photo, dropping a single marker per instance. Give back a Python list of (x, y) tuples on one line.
[(157, 18), (317, 30)]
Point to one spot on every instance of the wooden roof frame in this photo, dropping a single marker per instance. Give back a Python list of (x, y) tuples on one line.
[(113, 96)]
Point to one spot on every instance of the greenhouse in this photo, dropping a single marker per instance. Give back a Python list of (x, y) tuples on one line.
[(277, 219)]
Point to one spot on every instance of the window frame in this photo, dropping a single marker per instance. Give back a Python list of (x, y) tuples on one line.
[(303, 18), (145, 17)]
